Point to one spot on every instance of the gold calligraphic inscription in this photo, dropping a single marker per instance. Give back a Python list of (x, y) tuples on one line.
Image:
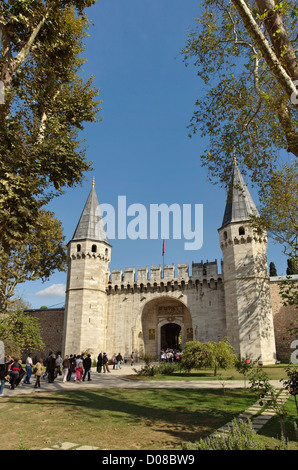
[(189, 333), (174, 310), (151, 333), (170, 318)]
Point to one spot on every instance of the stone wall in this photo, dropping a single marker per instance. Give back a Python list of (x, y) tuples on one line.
[(204, 300), (284, 318), (51, 322), (134, 300)]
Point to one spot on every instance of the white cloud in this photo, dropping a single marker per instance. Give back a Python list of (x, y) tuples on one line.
[(55, 290)]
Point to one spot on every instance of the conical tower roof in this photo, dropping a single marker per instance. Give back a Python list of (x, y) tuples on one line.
[(240, 205), (91, 225)]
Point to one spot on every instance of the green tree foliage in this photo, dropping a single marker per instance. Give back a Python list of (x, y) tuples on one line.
[(292, 383), (197, 355), (292, 267), (245, 55), (46, 105), (272, 270), (245, 105), (37, 257), (20, 332), (279, 211)]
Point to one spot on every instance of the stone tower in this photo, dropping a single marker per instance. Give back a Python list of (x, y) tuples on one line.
[(248, 308), (89, 255)]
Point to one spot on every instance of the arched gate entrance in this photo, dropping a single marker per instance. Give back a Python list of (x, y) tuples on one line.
[(166, 323), (170, 336)]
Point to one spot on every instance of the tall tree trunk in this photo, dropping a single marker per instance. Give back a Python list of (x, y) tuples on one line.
[(280, 41), (283, 78)]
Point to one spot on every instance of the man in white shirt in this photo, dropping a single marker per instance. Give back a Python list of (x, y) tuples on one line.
[(29, 365)]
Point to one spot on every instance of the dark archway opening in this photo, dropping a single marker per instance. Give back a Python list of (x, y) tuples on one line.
[(170, 336)]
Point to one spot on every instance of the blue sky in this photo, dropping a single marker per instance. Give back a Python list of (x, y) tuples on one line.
[(141, 149)]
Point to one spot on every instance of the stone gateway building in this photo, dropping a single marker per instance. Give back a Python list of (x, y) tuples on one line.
[(146, 312)]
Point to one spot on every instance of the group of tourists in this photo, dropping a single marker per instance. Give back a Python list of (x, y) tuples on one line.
[(170, 355), (77, 366)]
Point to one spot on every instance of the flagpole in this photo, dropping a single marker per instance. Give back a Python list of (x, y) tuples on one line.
[(163, 259)]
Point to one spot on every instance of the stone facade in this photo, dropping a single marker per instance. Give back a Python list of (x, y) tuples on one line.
[(247, 292), (153, 309), (142, 310), (284, 319)]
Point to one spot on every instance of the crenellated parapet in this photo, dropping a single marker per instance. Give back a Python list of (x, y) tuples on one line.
[(168, 278)]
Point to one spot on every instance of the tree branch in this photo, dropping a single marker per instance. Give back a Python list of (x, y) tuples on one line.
[(282, 45), (22, 55), (268, 53)]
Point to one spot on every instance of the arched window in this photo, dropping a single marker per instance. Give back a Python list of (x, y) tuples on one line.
[(106, 252), (241, 231), (225, 235), (94, 249), (78, 248)]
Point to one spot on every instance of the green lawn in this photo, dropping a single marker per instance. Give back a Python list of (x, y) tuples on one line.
[(272, 428), (275, 372), (118, 419)]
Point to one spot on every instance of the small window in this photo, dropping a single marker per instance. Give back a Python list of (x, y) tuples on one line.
[(241, 231), (106, 252), (225, 235), (94, 249), (78, 248)]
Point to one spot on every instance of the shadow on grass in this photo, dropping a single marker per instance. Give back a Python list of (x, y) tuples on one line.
[(184, 415)]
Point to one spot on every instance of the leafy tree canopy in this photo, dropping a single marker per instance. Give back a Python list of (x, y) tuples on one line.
[(20, 333), (46, 105), (37, 257), (245, 54), (197, 355)]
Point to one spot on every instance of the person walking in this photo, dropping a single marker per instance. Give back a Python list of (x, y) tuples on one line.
[(65, 369), (119, 358), (87, 362), (46, 364), (29, 365), (99, 363), (3, 375), (132, 359), (105, 364), (38, 370), (51, 368), (15, 370), (114, 361), (72, 367), (59, 362), (79, 369)]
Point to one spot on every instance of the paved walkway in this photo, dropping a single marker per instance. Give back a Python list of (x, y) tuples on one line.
[(121, 378)]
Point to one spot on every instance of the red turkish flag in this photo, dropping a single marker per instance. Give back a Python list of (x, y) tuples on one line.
[(163, 248)]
